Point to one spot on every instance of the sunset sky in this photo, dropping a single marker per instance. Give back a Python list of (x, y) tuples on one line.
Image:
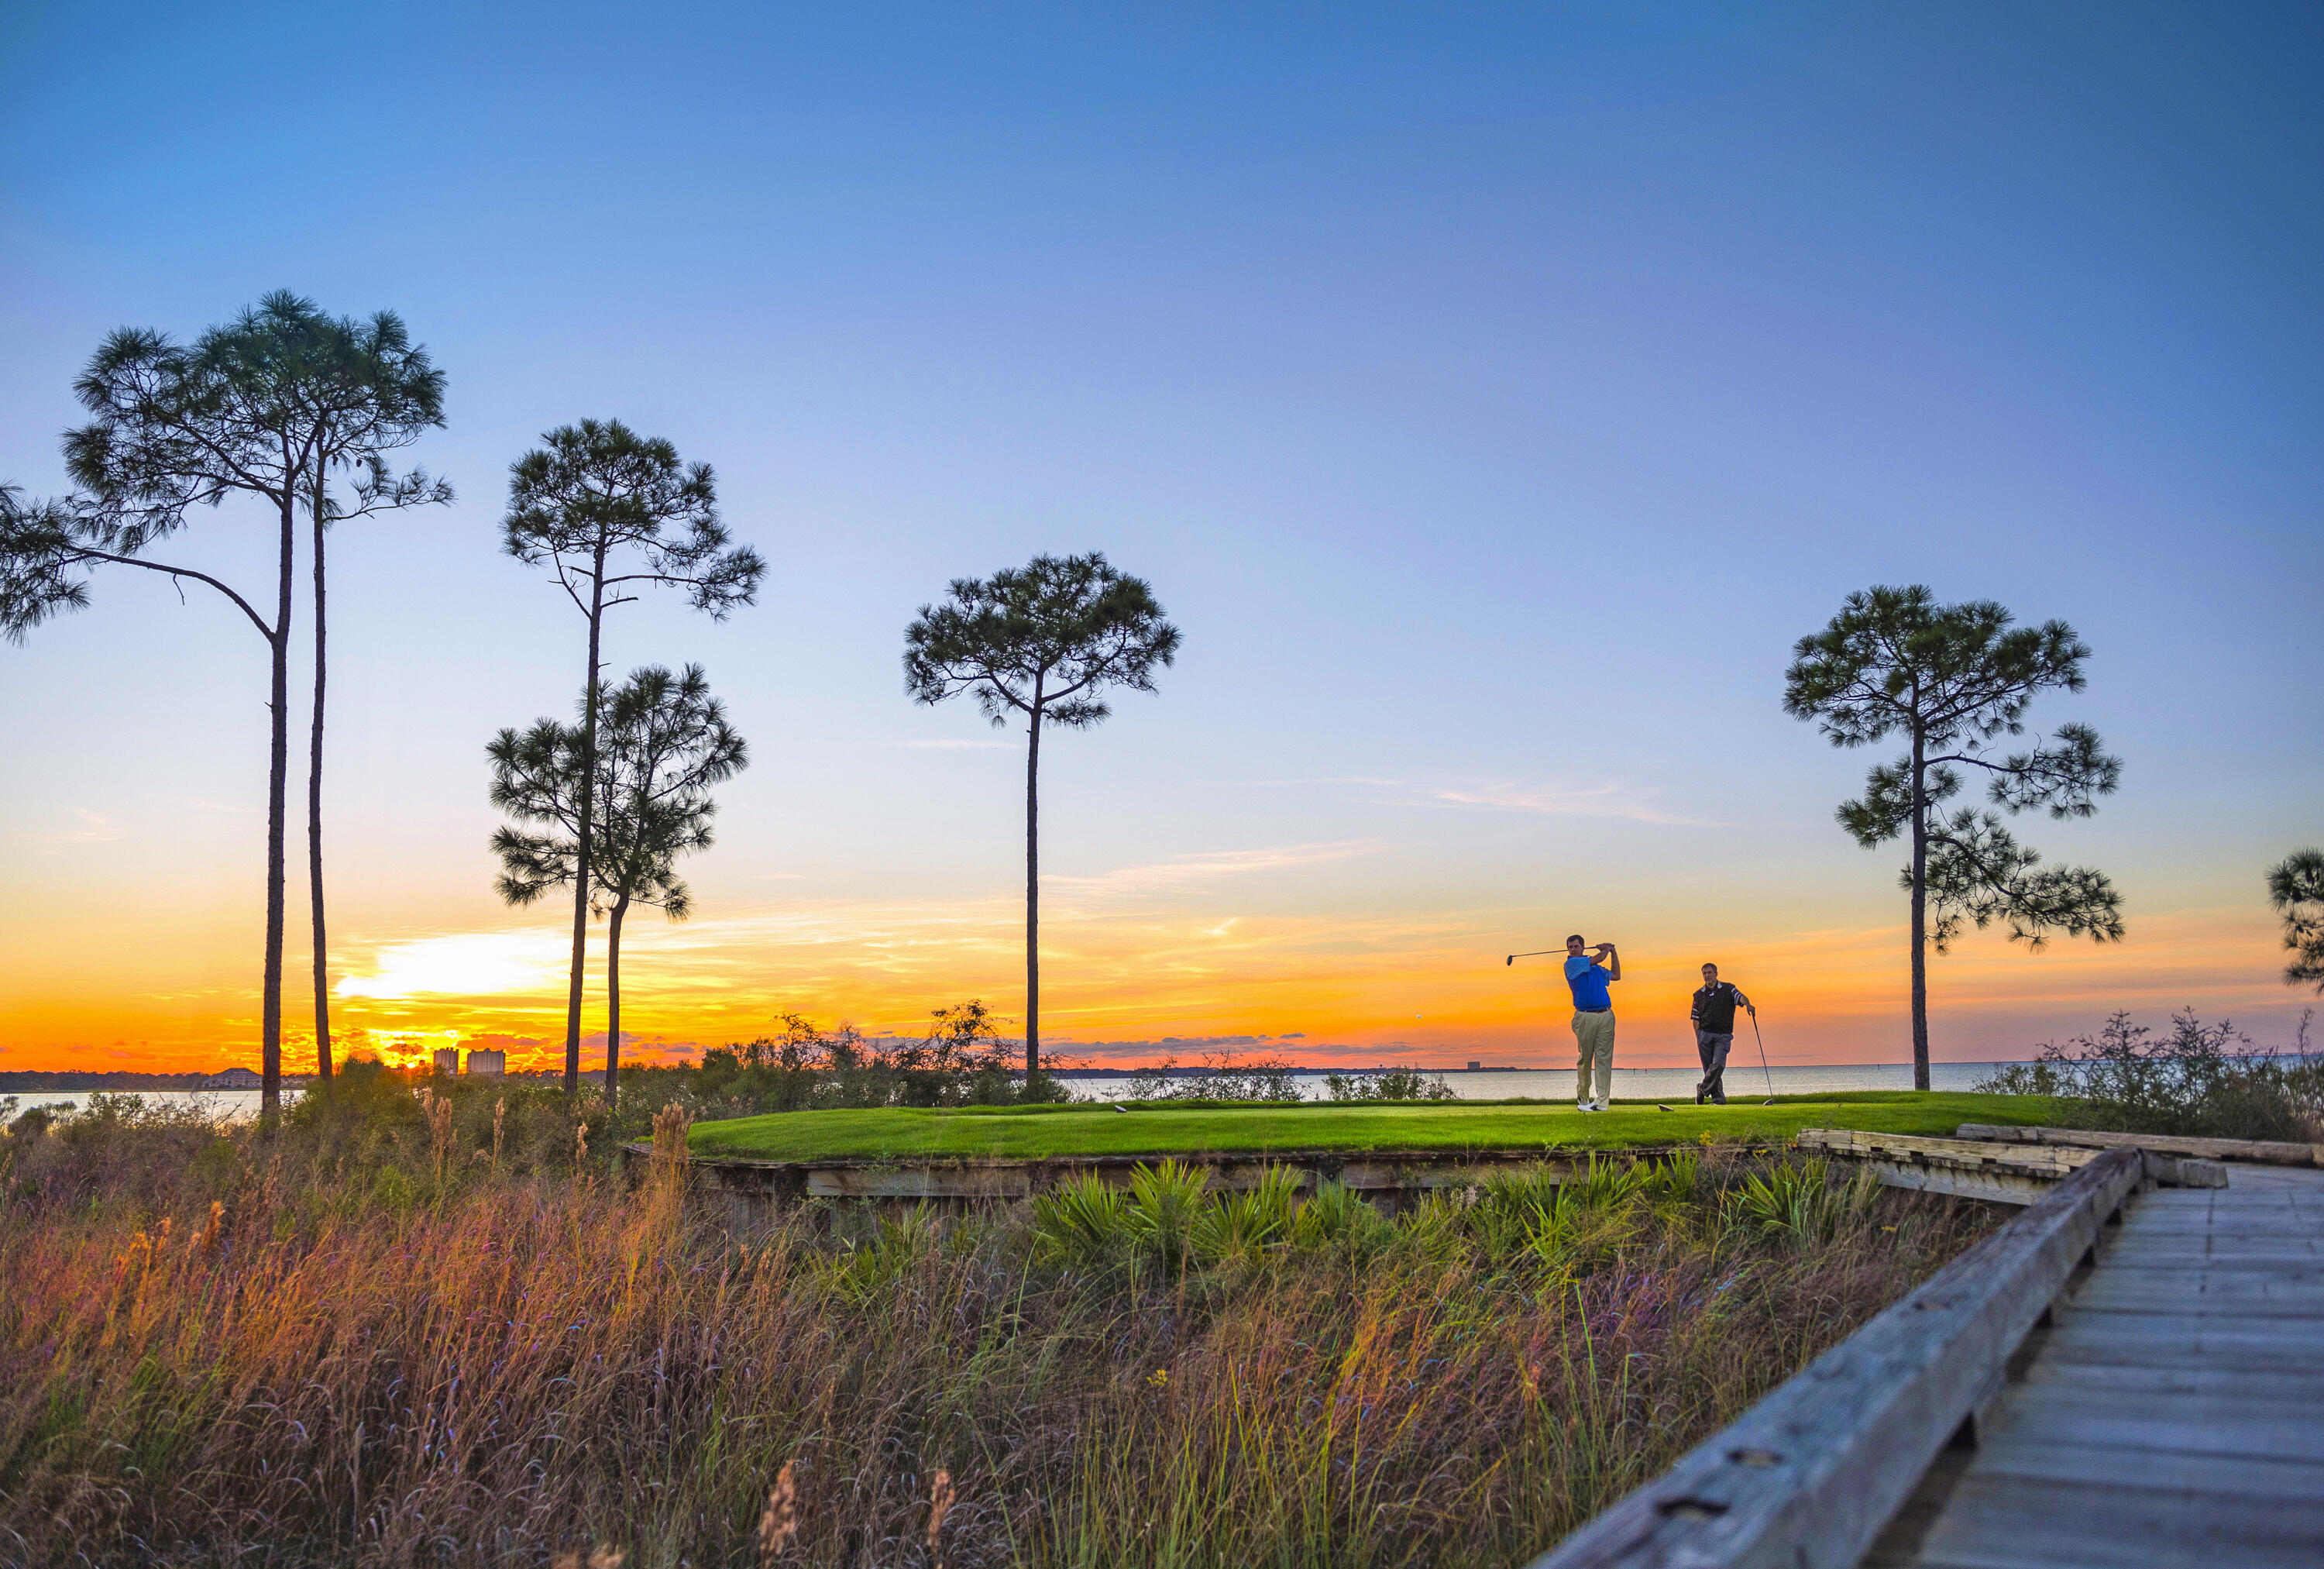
[(1490, 394)]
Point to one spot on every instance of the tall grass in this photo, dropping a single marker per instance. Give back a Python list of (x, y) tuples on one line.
[(443, 1350)]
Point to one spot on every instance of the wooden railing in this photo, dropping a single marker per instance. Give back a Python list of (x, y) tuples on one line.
[(1808, 1477)]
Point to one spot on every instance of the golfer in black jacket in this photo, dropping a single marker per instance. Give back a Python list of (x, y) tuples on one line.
[(1714, 1032)]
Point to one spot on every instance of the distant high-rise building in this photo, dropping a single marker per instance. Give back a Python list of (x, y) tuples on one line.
[(493, 1063), (448, 1060), (1474, 1066)]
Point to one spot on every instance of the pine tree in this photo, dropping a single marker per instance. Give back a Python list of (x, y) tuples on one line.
[(1043, 641), (1951, 678)]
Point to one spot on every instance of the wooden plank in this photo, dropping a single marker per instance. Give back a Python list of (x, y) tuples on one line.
[(2271, 1153), (2248, 1194), (1811, 1474), (1995, 1521), (2303, 1184), (2290, 1269), (2286, 1279), (2148, 1420), (2232, 1250), (2256, 1218), (2198, 1283), (2248, 1305), (2164, 1329), (2192, 1248), (2135, 1378), (2222, 1478), (2230, 1345)]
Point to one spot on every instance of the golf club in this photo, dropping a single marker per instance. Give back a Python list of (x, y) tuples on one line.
[(1537, 952), (1763, 1058)]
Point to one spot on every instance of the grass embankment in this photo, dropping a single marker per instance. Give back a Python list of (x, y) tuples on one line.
[(411, 1335), (1165, 1128)]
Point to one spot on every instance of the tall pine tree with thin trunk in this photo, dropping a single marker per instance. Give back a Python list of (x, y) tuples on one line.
[(611, 512), (1949, 679), (1043, 640), (378, 393), (248, 409)]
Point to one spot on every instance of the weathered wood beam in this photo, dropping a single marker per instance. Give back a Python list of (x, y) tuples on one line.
[(2003, 1173), (2270, 1153), (979, 1178), (1807, 1478)]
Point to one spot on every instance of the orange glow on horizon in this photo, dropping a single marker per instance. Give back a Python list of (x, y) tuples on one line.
[(1119, 990)]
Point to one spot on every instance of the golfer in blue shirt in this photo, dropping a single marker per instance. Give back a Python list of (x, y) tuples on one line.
[(1589, 971)]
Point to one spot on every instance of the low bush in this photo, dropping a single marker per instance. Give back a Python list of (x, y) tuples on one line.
[(2203, 1080), (962, 1059), (1082, 1220), (1805, 1205), (1389, 1083), (1224, 1075), (1167, 1205)]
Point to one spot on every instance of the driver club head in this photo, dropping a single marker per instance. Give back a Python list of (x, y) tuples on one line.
[(1510, 960)]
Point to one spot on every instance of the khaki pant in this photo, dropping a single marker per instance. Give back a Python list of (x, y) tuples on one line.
[(1594, 1034)]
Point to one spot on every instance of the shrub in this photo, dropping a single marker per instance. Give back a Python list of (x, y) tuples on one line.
[(1240, 1225), (2204, 1080), (1389, 1083), (1166, 1205), (1224, 1075), (1335, 1214), (1803, 1204), (1674, 1177), (961, 1060), (1083, 1220)]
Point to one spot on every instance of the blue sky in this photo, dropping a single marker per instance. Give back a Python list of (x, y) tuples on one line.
[(1491, 396)]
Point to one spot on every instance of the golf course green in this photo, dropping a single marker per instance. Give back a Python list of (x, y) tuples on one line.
[(1166, 1128)]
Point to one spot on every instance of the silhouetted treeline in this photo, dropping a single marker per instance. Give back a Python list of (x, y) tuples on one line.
[(118, 1082)]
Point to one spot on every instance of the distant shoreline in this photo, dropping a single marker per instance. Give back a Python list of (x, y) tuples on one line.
[(121, 1082)]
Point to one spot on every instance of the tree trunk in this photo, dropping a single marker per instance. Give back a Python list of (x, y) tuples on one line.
[(614, 1002), (270, 1061), (1033, 899), (1920, 939), (315, 814), (581, 839)]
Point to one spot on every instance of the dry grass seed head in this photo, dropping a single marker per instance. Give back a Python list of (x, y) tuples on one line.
[(779, 1526), (600, 1557), (939, 1506)]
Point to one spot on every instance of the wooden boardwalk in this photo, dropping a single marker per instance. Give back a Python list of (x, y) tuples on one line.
[(2172, 1411), (2126, 1374)]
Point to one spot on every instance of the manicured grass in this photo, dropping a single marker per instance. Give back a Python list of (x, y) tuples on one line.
[(1185, 1128)]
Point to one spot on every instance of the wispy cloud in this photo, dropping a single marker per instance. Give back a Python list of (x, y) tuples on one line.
[(1603, 800), (89, 829), (1203, 867), (1612, 800)]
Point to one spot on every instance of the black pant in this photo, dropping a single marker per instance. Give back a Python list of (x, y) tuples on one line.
[(1713, 1048)]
